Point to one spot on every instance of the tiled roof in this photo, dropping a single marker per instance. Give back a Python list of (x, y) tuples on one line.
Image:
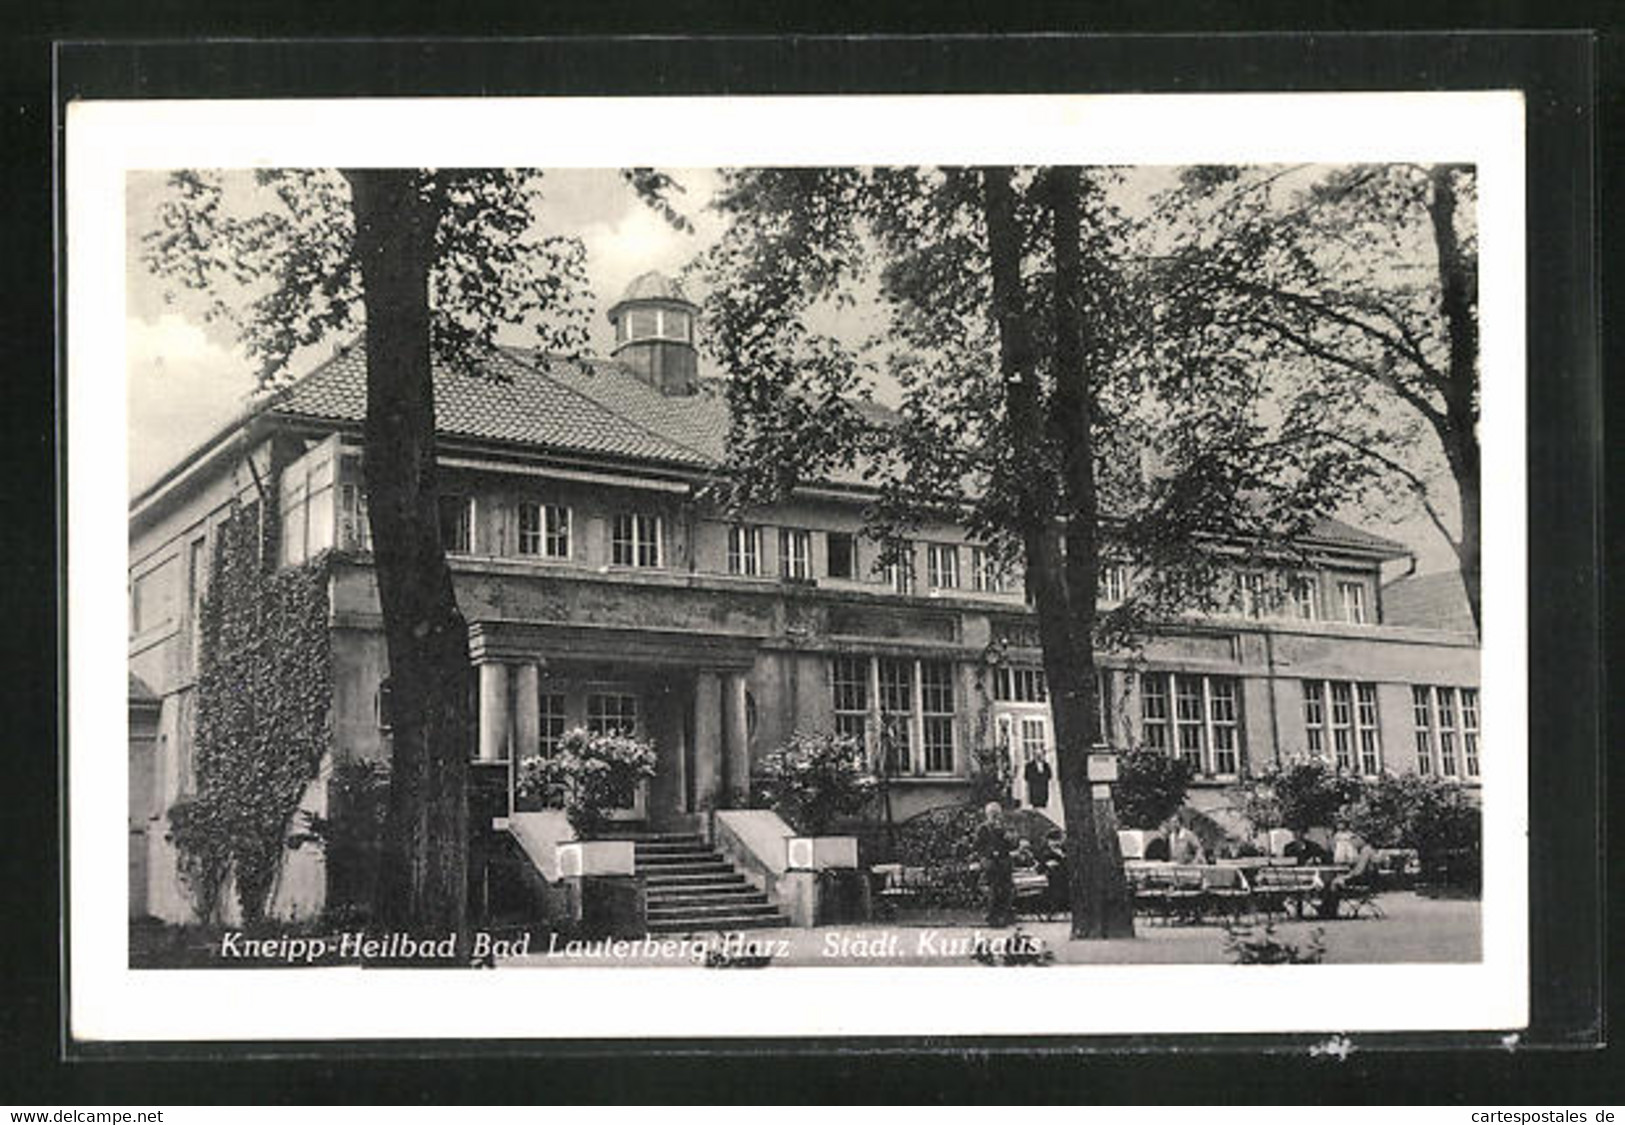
[(1428, 601), (1328, 530), (521, 403)]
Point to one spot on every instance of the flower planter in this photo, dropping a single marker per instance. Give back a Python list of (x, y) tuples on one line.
[(821, 853), (595, 857)]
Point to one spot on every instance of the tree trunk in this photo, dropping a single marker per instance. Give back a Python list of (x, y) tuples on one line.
[(424, 874), (1459, 429), (1098, 884), (1068, 666)]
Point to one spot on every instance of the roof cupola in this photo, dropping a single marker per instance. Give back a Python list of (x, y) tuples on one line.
[(654, 334)]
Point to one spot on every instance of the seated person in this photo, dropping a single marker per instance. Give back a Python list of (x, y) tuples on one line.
[(1307, 853), (1053, 859), (1184, 846), (1024, 859), (1363, 872), (1156, 848)]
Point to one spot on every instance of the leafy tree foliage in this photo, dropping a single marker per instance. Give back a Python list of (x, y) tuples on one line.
[(1029, 388), (1150, 787), (1353, 294)]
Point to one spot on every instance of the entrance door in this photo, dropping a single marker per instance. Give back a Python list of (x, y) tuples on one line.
[(616, 710), (1025, 735)]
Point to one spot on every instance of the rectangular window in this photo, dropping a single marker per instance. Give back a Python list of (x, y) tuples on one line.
[(1113, 583), (544, 530), (1314, 718), (635, 540), (1352, 597), (850, 681), (986, 577), (1222, 721), (1446, 700), (1348, 713), (896, 711), (355, 528), (1188, 720), (1365, 715), (745, 550), (1154, 711), (1019, 685), (457, 525), (1253, 591), (795, 553), (1306, 597), (942, 566), (1469, 731), (612, 712), (1034, 738), (1422, 720), (152, 598), (900, 574), (551, 722), (841, 558), (937, 707)]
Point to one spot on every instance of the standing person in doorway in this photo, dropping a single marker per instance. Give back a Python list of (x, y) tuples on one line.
[(994, 845), (1037, 775)]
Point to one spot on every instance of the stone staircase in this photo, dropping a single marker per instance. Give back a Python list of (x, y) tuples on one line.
[(691, 888)]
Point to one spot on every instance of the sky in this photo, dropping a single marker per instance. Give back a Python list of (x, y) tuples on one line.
[(187, 379)]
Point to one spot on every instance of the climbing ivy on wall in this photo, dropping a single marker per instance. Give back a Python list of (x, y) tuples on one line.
[(264, 708)]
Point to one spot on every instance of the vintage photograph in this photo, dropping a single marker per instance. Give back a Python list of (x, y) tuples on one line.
[(804, 566), (974, 565)]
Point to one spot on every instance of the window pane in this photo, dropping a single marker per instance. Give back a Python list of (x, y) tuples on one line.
[(530, 529), (842, 555), (621, 552), (1469, 730), (1422, 720), (1154, 710), (557, 543)]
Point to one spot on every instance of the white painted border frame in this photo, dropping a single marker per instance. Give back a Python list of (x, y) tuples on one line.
[(107, 139)]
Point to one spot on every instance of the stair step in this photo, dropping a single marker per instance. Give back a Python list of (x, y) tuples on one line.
[(665, 847), (711, 867), (642, 838), (742, 895), (665, 879), (666, 911), (708, 925), (677, 855)]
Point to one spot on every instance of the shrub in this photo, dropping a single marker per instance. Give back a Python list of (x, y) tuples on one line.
[(1430, 814), (589, 775), (202, 854), (991, 775), (815, 778), (1150, 787), (1249, 947), (351, 836), (1299, 796)]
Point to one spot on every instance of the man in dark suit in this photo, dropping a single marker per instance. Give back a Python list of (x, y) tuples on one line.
[(1037, 775), (994, 845)]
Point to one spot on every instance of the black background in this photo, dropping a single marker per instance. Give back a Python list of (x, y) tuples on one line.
[(1571, 106)]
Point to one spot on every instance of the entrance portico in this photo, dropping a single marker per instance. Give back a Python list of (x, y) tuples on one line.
[(685, 692)]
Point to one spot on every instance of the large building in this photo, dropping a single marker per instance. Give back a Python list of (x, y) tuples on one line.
[(602, 590)]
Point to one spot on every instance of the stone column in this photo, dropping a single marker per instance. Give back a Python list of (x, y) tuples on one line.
[(736, 739), (493, 712), (527, 717), (707, 741)]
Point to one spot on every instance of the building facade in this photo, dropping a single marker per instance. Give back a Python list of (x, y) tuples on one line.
[(602, 590)]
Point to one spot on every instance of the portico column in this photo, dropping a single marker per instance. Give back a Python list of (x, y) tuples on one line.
[(493, 712), (527, 718), (707, 741), (736, 738)]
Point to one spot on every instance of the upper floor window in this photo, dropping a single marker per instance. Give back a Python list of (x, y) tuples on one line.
[(635, 540), (457, 525), (1342, 717), (745, 550), (152, 598), (1306, 597), (544, 530), (1253, 594), (900, 574), (841, 550), (355, 526), (942, 566), (985, 574), (1351, 595), (795, 553), (1113, 583)]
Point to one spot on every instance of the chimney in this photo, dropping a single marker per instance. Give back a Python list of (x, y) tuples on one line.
[(654, 334)]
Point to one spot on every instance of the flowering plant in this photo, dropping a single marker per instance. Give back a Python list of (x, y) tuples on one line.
[(814, 778), (589, 776)]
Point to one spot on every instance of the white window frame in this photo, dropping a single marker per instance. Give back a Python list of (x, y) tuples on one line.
[(937, 719), (467, 519), (745, 550), (985, 577), (1113, 583), (1211, 712), (1446, 719), (1306, 597), (1343, 725), (551, 721), (795, 553), (942, 566), (645, 541), (900, 574), (1353, 607), (552, 534)]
